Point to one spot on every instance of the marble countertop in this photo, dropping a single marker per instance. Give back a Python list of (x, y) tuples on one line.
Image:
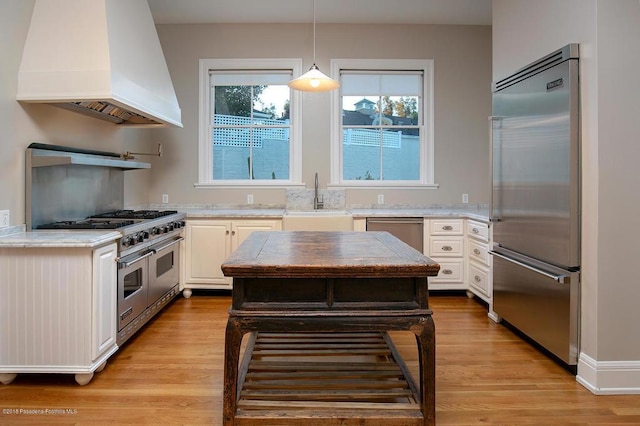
[(68, 238), (472, 213), (477, 214), (17, 236), (252, 213)]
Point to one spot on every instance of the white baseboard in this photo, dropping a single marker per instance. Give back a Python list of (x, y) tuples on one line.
[(609, 377)]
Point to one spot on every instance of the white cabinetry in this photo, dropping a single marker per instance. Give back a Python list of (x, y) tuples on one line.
[(445, 243), (478, 260), (105, 297), (59, 310), (208, 243), (360, 224)]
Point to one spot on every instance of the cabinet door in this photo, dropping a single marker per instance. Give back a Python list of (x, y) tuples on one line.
[(446, 226), (478, 251), (451, 271), (478, 230), (207, 246), (479, 272), (240, 230), (105, 297), (479, 278), (446, 246)]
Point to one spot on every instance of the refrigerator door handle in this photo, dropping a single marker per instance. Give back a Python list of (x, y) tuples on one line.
[(557, 277), (492, 120)]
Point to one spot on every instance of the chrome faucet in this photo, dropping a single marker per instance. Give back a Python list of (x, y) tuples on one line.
[(318, 201)]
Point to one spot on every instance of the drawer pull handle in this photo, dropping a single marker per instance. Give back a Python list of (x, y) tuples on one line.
[(477, 278), (447, 248), (447, 272), (476, 252), (447, 228), (475, 230)]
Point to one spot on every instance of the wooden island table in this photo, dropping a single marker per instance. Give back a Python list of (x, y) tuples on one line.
[(318, 306)]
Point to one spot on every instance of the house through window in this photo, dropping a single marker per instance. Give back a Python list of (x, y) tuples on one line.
[(383, 113)]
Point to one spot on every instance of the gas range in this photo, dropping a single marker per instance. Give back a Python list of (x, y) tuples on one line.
[(139, 228)]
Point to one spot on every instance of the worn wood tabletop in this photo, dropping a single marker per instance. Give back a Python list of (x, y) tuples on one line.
[(328, 254)]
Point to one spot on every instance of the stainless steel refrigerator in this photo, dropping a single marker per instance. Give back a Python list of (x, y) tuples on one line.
[(535, 205)]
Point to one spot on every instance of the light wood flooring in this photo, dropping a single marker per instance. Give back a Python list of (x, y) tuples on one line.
[(171, 373)]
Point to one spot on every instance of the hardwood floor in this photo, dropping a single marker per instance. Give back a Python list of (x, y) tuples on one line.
[(171, 373)]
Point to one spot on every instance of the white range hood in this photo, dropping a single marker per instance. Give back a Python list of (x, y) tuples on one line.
[(98, 57)]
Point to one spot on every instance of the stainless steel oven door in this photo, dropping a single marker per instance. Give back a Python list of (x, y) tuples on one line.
[(164, 268), (132, 286)]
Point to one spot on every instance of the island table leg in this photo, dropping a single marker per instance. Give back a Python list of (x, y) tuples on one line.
[(426, 342), (233, 340)]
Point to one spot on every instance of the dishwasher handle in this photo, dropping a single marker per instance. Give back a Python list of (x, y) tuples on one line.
[(396, 220)]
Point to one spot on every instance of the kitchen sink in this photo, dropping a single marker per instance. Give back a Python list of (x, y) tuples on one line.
[(317, 220), (313, 213)]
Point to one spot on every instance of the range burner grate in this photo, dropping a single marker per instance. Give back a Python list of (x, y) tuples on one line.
[(135, 214), (87, 224)]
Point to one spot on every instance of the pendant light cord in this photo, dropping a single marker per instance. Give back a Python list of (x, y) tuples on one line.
[(314, 32), (314, 80)]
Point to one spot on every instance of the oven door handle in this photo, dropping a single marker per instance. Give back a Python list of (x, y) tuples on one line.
[(157, 249), (136, 260)]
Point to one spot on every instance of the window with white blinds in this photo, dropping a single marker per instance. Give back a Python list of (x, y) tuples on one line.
[(382, 123), (249, 122)]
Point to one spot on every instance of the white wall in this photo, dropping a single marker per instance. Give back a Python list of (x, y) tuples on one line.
[(619, 179), (21, 124), (609, 37), (462, 56)]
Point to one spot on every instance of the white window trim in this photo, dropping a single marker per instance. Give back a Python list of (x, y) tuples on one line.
[(205, 149), (427, 161)]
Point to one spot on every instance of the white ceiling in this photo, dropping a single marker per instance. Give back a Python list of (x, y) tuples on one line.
[(455, 12)]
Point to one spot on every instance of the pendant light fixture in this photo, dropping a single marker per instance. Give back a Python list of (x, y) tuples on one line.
[(314, 80)]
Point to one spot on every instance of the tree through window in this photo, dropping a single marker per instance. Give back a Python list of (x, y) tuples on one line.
[(247, 134), (385, 122)]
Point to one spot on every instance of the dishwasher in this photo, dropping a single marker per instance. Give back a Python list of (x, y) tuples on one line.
[(407, 229)]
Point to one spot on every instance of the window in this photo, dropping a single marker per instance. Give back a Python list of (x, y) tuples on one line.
[(249, 122), (382, 123)]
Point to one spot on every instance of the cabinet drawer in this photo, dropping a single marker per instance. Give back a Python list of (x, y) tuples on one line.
[(446, 246), (478, 230), (479, 277), (445, 226), (479, 251), (450, 271)]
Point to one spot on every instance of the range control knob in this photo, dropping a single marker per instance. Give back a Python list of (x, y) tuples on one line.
[(156, 231), (140, 237)]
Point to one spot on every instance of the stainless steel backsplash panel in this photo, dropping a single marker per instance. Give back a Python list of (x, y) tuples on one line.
[(71, 192)]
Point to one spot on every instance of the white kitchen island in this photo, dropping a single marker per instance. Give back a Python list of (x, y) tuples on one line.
[(57, 302)]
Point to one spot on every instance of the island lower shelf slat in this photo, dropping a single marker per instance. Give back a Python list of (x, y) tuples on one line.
[(341, 378)]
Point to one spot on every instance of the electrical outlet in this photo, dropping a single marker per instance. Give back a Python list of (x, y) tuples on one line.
[(165, 198), (465, 198), (250, 199), (380, 198), (4, 218)]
